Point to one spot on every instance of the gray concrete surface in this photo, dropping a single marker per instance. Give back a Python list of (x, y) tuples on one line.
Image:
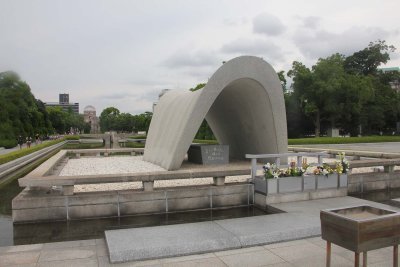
[(300, 221), (88, 253), (243, 104), (164, 241)]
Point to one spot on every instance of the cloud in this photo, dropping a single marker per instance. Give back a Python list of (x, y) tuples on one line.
[(311, 22), (268, 24), (321, 43), (184, 59), (255, 47)]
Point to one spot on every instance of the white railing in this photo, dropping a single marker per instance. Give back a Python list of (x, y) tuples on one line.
[(277, 158)]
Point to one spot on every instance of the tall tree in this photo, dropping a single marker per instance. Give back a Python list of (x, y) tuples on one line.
[(367, 61), (108, 119)]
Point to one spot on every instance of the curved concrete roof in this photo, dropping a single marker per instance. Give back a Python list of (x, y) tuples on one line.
[(243, 104)]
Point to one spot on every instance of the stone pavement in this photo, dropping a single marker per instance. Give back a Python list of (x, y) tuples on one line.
[(87, 253), (302, 252)]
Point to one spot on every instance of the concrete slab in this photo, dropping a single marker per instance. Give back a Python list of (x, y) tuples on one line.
[(300, 221), (260, 230), (396, 200), (166, 241)]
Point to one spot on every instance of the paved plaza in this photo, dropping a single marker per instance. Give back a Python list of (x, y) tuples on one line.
[(87, 253), (298, 251), (301, 252)]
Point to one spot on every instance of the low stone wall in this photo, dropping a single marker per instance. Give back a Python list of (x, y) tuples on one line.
[(31, 205), (362, 182)]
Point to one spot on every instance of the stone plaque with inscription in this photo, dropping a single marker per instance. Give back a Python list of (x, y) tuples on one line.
[(208, 154)]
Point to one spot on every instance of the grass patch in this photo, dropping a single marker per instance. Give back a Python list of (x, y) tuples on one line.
[(71, 137), (208, 142), (25, 151), (343, 140), (138, 137), (134, 145), (83, 146)]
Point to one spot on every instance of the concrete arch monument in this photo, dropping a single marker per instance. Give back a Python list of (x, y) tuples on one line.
[(243, 104)]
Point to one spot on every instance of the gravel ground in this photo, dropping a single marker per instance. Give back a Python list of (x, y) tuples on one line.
[(108, 165), (135, 164)]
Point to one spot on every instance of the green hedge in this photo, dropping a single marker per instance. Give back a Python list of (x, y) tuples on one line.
[(83, 146), (328, 140), (138, 137), (343, 140), (25, 151), (134, 145), (71, 137), (8, 143)]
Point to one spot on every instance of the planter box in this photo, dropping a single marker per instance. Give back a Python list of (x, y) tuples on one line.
[(329, 181), (298, 184), (361, 228), (309, 182), (275, 186), (343, 180)]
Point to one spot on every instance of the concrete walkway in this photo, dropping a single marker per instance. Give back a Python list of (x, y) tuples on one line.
[(304, 252)]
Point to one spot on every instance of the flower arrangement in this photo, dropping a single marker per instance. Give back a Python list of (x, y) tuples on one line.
[(272, 171), (342, 166), (325, 169)]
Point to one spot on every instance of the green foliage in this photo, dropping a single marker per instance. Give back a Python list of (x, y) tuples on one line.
[(25, 151), (20, 112), (112, 120), (134, 145), (343, 140), (198, 87), (204, 132), (8, 143), (367, 61), (138, 137), (62, 121), (345, 93), (83, 146), (72, 137), (281, 76)]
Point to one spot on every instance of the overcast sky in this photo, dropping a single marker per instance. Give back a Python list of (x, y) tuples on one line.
[(123, 53)]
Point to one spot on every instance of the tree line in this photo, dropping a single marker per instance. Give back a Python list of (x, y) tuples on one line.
[(111, 119), (348, 93), (21, 114)]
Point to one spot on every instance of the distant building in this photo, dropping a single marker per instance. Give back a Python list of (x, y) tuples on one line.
[(64, 103), (63, 99), (395, 84), (89, 116)]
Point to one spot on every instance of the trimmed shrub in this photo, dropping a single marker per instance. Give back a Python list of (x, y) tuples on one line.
[(25, 151), (8, 143)]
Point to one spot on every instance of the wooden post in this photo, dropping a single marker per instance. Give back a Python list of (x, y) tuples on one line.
[(396, 256), (356, 259), (328, 254)]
